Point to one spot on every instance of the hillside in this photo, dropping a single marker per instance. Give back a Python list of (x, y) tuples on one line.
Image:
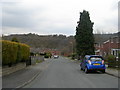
[(100, 38), (60, 42)]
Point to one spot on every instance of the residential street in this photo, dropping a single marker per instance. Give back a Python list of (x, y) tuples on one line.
[(65, 73), (60, 44)]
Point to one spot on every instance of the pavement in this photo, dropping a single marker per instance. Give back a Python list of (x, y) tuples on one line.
[(19, 78), (23, 77), (113, 72)]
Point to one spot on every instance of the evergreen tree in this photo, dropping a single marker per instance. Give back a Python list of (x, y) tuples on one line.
[(84, 35), (14, 39)]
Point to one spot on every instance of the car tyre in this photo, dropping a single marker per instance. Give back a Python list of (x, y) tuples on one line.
[(81, 69), (103, 71)]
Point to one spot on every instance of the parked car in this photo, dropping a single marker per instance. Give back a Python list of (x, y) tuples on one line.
[(93, 62), (56, 56)]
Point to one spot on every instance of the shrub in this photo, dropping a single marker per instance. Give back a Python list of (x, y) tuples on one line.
[(24, 52), (48, 55), (111, 59), (13, 52), (32, 54), (73, 55), (14, 39), (0, 53), (9, 52), (39, 61)]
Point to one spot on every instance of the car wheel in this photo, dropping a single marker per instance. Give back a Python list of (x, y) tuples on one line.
[(103, 71), (86, 70)]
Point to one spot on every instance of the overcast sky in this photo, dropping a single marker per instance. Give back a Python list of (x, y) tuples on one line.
[(57, 16)]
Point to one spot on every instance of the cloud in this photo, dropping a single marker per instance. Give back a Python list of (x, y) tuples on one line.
[(119, 16), (13, 30), (56, 16), (16, 15)]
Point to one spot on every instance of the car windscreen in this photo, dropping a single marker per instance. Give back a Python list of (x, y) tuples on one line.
[(96, 58)]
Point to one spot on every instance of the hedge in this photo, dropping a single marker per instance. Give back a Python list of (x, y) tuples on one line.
[(13, 52), (23, 52), (111, 59), (48, 55)]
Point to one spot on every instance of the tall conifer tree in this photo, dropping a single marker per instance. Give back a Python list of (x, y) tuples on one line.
[(84, 35)]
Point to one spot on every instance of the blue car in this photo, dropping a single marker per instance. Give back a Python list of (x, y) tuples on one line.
[(93, 62)]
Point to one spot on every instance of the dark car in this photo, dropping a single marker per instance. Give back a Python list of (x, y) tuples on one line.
[(93, 62)]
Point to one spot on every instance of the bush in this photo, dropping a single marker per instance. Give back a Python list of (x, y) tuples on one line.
[(32, 54), (9, 52), (13, 52), (48, 55), (14, 39), (39, 61), (24, 52), (111, 59), (74, 55)]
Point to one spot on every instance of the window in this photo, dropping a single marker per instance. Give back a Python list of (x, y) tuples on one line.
[(96, 58), (113, 53)]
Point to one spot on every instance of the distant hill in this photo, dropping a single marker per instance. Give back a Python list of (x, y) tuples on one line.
[(60, 42), (100, 38)]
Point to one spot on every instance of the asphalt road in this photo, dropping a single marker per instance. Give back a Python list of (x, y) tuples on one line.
[(65, 73)]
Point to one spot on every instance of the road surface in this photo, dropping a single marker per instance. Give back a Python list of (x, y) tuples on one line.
[(65, 73)]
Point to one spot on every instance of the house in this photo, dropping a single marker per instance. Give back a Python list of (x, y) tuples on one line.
[(111, 46), (43, 50)]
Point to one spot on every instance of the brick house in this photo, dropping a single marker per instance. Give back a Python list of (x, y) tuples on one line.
[(111, 46)]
